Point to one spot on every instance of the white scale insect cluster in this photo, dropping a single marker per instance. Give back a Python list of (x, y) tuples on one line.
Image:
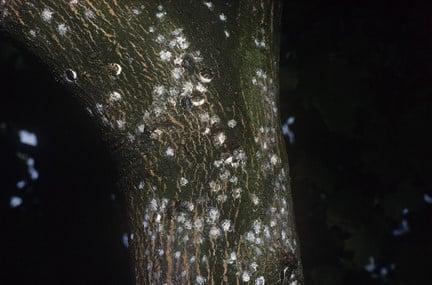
[(185, 91), (193, 228), (182, 87), (267, 237), (266, 136)]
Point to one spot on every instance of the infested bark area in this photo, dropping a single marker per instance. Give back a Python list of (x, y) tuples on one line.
[(185, 93)]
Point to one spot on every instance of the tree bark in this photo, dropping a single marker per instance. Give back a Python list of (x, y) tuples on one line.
[(185, 93)]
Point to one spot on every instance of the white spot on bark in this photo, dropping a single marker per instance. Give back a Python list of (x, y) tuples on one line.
[(261, 73), (232, 257), (121, 124), (153, 205), (209, 5), (204, 117), (156, 134), (232, 123), (160, 15), (187, 88), (177, 72), (254, 266), (213, 215), (189, 206), (250, 237), (159, 90), (226, 225), (62, 29), (257, 226), (201, 88), (169, 151), (161, 12), (214, 232), (260, 44), (274, 159), (115, 96), (178, 60), (89, 14), (225, 175), (220, 139), (236, 193), (233, 180), (136, 11), (283, 235), (254, 199), (206, 131), (47, 14), (200, 280), (179, 40), (222, 198), (214, 119), (141, 185), (223, 17), (183, 181), (165, 55), (160, 39), (173, 91), (196, 55), (260, 281), (214, 187), (198, 224), (246, 276)]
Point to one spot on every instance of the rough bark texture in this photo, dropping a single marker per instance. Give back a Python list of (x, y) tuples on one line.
[(186, 95)]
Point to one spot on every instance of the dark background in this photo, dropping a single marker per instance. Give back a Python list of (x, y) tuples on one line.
[(356, 79)]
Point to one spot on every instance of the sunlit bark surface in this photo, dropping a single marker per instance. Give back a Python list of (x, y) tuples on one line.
[(185, 93)]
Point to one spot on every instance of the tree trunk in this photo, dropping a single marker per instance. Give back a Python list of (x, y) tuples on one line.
[(185, 93)]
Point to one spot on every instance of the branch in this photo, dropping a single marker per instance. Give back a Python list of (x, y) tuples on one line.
[(185, 93)]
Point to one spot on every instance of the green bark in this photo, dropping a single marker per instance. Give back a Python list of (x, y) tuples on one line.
[(185, 93)]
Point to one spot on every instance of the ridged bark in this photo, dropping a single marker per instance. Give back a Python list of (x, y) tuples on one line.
[(185, 93)]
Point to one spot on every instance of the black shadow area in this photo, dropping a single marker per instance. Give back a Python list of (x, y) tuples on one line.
[(61, 220)]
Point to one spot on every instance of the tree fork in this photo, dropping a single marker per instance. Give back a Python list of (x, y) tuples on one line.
[(185, 94)]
